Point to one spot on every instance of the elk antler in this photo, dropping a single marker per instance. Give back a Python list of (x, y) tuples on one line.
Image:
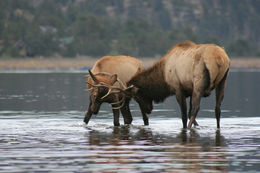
[(119, 90), (112, 90), (121, 102), (102, 84)]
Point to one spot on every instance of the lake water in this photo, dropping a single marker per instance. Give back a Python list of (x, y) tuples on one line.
[(41, 130)]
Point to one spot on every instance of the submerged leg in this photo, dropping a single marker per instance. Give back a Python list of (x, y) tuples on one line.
[(126, 113), (116, 117), (195, 107), (181, 99), (88, 114), (219, 97), (189, 114), (201, 82), (145, 118)]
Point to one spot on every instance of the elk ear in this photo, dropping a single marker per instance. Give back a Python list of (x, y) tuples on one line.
[(113, 78), (135, 90), (93, 76)]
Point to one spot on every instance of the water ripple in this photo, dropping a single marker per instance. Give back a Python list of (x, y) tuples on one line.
[(52, 142)]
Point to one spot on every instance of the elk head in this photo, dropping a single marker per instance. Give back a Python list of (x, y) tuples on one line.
[(97, 88), (102, 90), (145, 102)]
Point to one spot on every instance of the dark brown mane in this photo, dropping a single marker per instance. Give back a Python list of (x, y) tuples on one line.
[(152, 82)]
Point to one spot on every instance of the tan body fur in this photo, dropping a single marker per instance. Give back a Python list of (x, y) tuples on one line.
[(124, 66), (187, 70), (184, 65)]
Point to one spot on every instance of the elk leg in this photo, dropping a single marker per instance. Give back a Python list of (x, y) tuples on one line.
[(116, 117), (195, 107), (88, 114), (126, 113), (219, 97), (181, 99), (189, 114), (145, 118)]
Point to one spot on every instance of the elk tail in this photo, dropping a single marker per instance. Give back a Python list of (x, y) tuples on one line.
[(207, 88)]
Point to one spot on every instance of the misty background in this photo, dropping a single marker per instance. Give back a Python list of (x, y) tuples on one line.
[(147, 28)]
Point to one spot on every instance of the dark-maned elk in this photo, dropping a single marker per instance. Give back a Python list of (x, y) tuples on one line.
[(107, 82), (187, 70)]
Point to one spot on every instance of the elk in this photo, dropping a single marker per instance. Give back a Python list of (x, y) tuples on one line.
[(107, 83), (187, 70)]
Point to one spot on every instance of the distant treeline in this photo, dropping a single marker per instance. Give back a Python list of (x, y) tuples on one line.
[(71, 28)]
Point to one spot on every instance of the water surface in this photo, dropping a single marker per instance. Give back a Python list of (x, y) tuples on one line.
[(41, 130)]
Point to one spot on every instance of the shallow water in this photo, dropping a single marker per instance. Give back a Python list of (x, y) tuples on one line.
[(41, 130)]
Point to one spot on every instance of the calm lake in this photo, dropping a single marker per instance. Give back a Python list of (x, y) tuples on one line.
[(42, 129)]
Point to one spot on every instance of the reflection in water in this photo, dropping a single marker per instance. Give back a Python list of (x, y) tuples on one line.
[(185, 151), (60, 142)]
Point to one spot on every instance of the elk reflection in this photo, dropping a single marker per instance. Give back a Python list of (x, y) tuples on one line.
[(186, 150)]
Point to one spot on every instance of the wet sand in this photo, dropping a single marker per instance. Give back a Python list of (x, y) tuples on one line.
[(83, 62)]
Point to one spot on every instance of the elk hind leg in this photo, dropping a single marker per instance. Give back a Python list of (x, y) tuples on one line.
[(195, 107), (219, 98), (189, 114), (201, 83)]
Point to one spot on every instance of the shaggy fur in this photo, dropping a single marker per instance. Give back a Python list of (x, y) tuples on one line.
[(151, 83)]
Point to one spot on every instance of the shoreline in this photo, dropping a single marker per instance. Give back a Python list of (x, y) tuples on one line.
[(62, 64)]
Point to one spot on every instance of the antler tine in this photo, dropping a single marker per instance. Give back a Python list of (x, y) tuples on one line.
[(89, 89), (99, 85), (121, 83), (108, 93), (122, 90), (114, 88), (121, 102), (119, 107)]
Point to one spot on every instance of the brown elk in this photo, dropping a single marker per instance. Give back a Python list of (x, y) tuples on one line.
[(187, 70), (107, 82)]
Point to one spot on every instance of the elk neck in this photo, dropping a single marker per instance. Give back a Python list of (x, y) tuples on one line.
[(151, 82)]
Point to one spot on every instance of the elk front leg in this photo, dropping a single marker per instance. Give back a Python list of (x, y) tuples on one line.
[(116, 117), (181, 99), (126, 113), (88, 114), (145, 118)]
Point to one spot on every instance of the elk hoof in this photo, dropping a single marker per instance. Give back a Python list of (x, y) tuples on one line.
[(85, 121), (116, 124), (129, 121), (146, 123), (196, 123)]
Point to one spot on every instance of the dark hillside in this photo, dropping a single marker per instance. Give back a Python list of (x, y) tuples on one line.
[(131, 27)]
